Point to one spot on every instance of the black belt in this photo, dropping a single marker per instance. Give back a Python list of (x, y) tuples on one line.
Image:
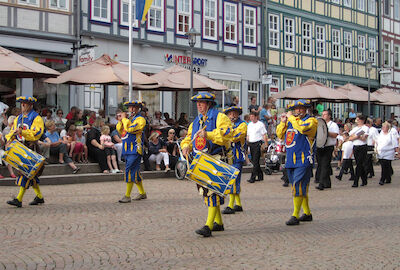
[(252, 143), (355, 146)]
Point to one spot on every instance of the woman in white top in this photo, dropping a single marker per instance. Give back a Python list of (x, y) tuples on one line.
[(386, 146)]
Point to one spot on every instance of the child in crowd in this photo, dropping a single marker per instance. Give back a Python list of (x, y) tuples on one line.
[(111, 152), (69, 140), (338, 148), (347, 157), (80, 137)]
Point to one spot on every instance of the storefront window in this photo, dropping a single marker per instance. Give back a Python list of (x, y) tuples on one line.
[(225, 98), (152, 98), (253, 91)]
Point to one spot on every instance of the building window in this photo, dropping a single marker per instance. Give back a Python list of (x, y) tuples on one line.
[(396, 7), (336, 2), (289, 34), (230, 22), (361, 49), (226, 97), (252, 90), (210, 19), (320, 40), (59, 4), (386, 7), (372, 49), (386, 55), (250, 26), (347, 3), (307, 38), (101, 10), (124, 16), (156, 16), (273, 31), (347, 46), (183, 16), (336, 44), (361, 5), (274, 86), (29, 2), (371, 6), (396, 56), (289, 83)]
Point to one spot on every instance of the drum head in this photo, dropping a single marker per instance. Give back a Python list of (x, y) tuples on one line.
[(180, 169), (322, 133)]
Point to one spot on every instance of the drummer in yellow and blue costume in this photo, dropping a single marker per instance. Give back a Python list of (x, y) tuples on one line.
[(211, 132), (28, 127), (298, 129), (239, 133), (131, 131)]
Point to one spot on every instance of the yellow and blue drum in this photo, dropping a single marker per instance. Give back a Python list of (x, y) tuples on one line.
[(23, 159), (213, 174)]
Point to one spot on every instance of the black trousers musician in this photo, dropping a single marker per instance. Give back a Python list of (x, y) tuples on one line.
[(324, 170), (255, 151), (370, 165), (347, 164), (360, 155)]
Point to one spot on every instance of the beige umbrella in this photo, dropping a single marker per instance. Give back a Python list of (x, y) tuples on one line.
[(356, 93), (312, 90), (387, 96), (177, 78), (13, 65), (103, 70)]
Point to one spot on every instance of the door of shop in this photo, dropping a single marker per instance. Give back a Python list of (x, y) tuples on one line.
[(94, 95)]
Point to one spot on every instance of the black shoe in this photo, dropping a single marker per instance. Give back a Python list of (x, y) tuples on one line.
[(36, 201), (305, 217), (15, 202), (388, 182), (251, 180), (228, 211), (238, 208), (319, 187), (205, 231), (327, 187), (354, 185), (381, 182), (364, 184), (338, 177), (316, 181), (293, 221), (285, 184), (75, 170), (217, 227)]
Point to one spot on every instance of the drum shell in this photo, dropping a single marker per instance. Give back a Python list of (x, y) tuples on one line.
[(24, 160), (213, 174), (322, 133)]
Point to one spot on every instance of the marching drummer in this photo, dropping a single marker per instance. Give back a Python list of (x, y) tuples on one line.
[(131, 131), (239, 133), (298, 129), (210, 132), (28, 127)]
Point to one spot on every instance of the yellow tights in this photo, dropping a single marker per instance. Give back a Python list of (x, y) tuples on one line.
[(140, 188), (21, 193), (306, 207), (297, 201), (129, 187), (37, 191)]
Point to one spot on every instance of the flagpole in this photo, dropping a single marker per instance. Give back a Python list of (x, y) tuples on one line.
[(130, 50)]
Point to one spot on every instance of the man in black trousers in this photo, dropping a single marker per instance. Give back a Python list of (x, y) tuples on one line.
[(359, 135), (324, 154)]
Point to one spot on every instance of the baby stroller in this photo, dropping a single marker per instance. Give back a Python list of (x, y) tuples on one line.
[(181, 164), (275, 157)]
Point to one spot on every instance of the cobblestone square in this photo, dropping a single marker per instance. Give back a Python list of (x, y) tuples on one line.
[(83, 227)]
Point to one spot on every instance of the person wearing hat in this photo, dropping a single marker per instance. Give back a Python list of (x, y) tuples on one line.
[(211, 133), (298, 129), (131, 130), (239, 133), (28, 127)]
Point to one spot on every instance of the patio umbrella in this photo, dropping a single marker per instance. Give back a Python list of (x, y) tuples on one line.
[(356, 93), (13, 65), (177, 78), (387, 96), (103, 70), (312, 90)]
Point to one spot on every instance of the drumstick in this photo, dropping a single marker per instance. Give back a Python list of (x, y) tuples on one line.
[(195, 135)]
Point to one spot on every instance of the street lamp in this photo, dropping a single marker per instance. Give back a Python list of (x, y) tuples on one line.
[(368, 66), (192, 34)]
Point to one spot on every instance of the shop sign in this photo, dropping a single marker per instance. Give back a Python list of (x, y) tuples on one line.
[(85, 55), (185, 61)]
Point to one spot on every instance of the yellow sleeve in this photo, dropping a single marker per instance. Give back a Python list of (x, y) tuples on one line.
[(240, 133), (281, 130), (134, 127), (187, 142), (308, 127), (36, 130), (120, 127), (13, 128), (223, 133)]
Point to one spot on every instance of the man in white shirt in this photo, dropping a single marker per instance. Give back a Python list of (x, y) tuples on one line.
[(256, 134), (324, 154), (359, 135), (372, 135)]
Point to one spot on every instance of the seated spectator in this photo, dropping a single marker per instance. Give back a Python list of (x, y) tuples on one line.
[(69, 140), (59, 120), (95, 149), (169, 120), (92, 117), (111, 153), (80, 137), (157, 122), (172, 148), (158, 151), (49, 116), (57, 146), (182, 121), (71, 113), (116, 139)]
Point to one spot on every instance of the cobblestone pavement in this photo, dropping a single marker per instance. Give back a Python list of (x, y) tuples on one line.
[(83, 227)]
